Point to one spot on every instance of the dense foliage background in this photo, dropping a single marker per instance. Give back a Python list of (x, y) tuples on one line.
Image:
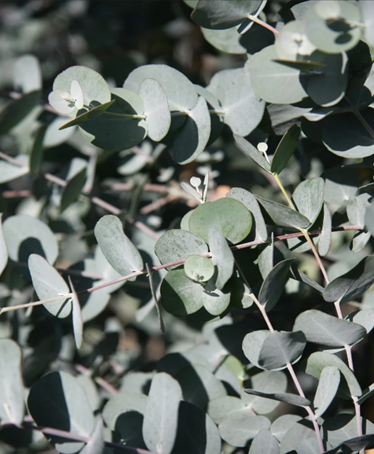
[(56, 189)]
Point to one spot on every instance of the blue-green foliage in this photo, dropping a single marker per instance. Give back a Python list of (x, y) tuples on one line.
[(227, 301)]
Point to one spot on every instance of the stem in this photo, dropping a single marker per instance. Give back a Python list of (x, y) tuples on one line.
[(35, 303), (348, 351), (258, 21), (303, 231), (290, 369), (70, 436), (286, 196), (133, 117), (167, 265)]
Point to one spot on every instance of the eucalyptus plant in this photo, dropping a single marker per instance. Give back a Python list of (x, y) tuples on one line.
[(262, 296)]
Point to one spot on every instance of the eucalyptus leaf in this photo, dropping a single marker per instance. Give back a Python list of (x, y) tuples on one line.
[(27, 74), (179, 90), (199, 385), (308, 197), (12, 408), (301, 430), (273, 350), (249, 200), (116, 247), (282, 215), (291, 399), (181, 296), (25, 235), (229, 215), (264, 443), (281, 425), (327, 387), (156, 108), (252, 152), (3, 248), (96, 445), (319, 360), (277, 278), (324, 329), (176, 245), (355, 141), (242, 427), (353, 284), (77, 316), (71, 411), (196, 432), (356, 209), (325, 238), (328, 85), (121, 403), (36, 154), (49, 284), (242, 106), (222, 256), (344, 35), (10, 171), (121, 126), (226, 40), (192, 138), (93, 85), (272, 81), (364, 317), (85, 115), (285, 149), (219, 409), (15, 111), (198, 268), (224, 14), (264, 382), (161, 414), (367, 14), (73, 189)]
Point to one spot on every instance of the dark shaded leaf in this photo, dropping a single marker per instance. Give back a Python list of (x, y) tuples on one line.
[(352, 284), (285, 149)]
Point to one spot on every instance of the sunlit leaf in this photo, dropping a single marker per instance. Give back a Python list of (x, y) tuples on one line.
[(327, 387), (116, 247), (25, 235), (3, 248), (182, 296), (161, 414), (249, 200), (175, 245), (319, 360), (12, 406), (222, 256), (156, 108), (308, 197), (264, 443), (242, 106), (49, 284), (231, 216), (198, 268)]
